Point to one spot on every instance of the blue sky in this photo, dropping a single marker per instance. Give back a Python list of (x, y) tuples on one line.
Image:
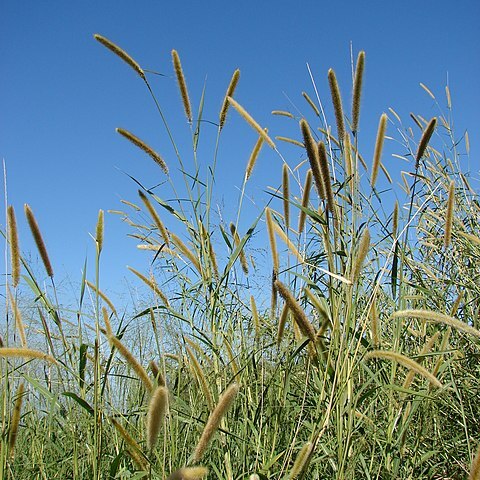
[(62, 95)]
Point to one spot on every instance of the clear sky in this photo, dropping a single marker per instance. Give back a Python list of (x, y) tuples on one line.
[(62, 95)]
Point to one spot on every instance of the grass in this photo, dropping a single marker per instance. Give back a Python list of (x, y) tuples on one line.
[(365, 365)]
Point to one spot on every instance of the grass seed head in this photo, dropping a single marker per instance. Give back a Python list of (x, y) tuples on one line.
[(157, 373), (312, 154), (357, 90), (198, 372), (120, 53), (99, 231), (437, 317), (301, 461), (377, 156), (325, 177), (311, 103), (362, 252), (272, 240), (337, 104), (152, 284), (298, 313), (406, 362), (282, 113), (349, 167), (254, 156), (106, 321), (230, 91), (14, 245), (427, 134), (189, 473), (249, 119), (156, 413), (37, 236), (286, 196), (26, 353), (182, 85), (102, 296), (305, 199), (213, 422), (20, 327), (395, 221), (153, 213), (15, 420), (282, 322), (255, 317), (447, 238), (143, 146), (132, 361), (242, 257)]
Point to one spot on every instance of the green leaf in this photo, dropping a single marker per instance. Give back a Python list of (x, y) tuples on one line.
[(80, 401)]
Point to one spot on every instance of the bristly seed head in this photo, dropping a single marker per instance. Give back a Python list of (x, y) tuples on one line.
[(189, 473), (254, 156), (337, 104), (377, 156), (14, 245), (120, 53), (311, 103), (213, 422), (427, 134), (305, 199), (158, 222), (156, 414), (357, 90), (143, 146), (361, 255), (312, 154), (249, 119), (230, 91), (449, 215), (298, 313), (182, 84), (325, 175), (99, 231), (286, 195), (37, 236), (15, 421)]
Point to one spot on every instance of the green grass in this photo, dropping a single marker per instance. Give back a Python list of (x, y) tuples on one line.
[(347, 389)]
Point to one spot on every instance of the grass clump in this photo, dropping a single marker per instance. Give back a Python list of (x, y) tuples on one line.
[(352, 354)]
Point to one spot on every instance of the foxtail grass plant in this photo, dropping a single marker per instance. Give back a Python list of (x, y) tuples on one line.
[(350, 350)]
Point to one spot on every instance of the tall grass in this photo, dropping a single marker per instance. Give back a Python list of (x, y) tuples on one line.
[(363, 365)]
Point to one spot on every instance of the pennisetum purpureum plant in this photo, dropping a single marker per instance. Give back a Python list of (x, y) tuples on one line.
[(332, 334)]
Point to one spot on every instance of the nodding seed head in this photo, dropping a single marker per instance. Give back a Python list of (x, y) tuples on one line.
[(37, 236), (427, 134), (143, 146), (213, 422), (120, 53), (249, 119)]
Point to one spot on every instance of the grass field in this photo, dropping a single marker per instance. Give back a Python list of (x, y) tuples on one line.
[(364, 364)]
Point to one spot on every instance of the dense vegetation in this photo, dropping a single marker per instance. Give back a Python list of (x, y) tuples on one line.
[(364, 365)]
